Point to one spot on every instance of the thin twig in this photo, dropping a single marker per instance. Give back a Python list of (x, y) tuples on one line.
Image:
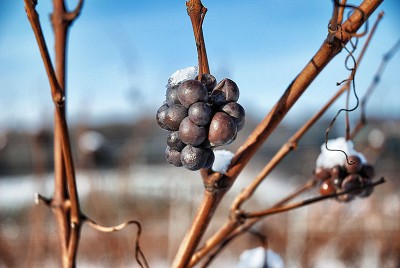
[(271, 211), (33, 17), (234, 228), (65, 191), (375, 81), (341, 11), (139, 256)]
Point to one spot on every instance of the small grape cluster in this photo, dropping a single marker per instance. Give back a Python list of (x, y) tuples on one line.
[(199, 116), (352, 175)]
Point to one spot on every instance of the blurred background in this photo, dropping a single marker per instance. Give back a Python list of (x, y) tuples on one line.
[(120, 56)]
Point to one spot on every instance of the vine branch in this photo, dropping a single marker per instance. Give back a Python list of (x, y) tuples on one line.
[(197, 12)]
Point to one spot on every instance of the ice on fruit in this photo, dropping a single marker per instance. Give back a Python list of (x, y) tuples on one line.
[(222, 160), (329, 159), (182, 75)]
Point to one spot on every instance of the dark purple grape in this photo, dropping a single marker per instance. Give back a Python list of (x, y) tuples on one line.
[(192, 91), (174, 116), (200, 113), (353, 164), (161, 114), (367, 171), (172, 95), (222, 129), (194, 158), (210, 158), (190, 133), (208, 81), (174, 142), (237, 112), (351, 182), (173, 157), (226, 91), (338, 182), (367, 191), (338, 172), (322, 173)]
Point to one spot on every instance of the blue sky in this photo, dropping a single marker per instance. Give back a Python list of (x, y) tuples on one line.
[(121, 54)]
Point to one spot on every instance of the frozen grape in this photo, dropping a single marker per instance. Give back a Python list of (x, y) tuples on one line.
[(210, 158), (194, 158), (192, 91), (172, 95), (352, 182), (222, 129), (160, 117), (173, 157), (174, 142), (174, 116), (200, 113), (338, 172), (367, 171), (322, 173), (237, 112), (327, 187), (190, 133), (226, 91), (208, 81), (353, 164)]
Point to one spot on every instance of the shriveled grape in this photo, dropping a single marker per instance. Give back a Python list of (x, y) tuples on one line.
[(173, 157), (194, 158), (235, 110), (225, 91), (200, 113), (174, 142), (208, 81), (161, 114), (222, 129), (172, 95), (192, 91), (190, 133), (174, 116)]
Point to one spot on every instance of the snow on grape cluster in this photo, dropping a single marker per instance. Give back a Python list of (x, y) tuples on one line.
[(199, 116), (336, 173)]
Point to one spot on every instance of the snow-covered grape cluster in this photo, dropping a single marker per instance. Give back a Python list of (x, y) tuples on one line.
[(353, 174), (335, 173), (199, 116)]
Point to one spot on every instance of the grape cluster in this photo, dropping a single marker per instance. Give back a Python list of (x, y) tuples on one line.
[(352, 175), (199, 115)]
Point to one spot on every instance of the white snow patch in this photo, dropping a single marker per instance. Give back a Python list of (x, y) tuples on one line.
[(255, 257), (329, 159), (182, 75), (222, 160)]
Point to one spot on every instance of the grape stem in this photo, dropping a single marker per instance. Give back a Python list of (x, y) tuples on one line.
[(197, 12)]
